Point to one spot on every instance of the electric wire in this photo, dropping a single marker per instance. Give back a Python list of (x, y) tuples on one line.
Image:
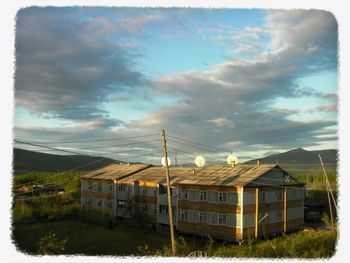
[(97, 140)]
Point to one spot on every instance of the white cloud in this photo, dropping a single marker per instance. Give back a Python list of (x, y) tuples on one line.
[(220, 122)]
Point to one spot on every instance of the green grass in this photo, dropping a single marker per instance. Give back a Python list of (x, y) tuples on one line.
[(70, 180), (303, 244), (90, 239)]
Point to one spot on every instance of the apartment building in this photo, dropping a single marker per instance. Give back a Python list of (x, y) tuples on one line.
[(225, 202)]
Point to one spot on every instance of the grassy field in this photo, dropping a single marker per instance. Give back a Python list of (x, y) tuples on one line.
[(70, 180), (89, 239)]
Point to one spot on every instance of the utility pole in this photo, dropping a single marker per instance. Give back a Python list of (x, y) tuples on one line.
[(170, 209), (175, 157), (328, 195)]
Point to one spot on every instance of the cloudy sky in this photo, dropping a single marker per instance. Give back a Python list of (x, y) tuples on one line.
[(253, 82)]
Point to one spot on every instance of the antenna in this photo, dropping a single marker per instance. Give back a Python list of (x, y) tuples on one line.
[(199, 161), (163, 161), (232, 160)]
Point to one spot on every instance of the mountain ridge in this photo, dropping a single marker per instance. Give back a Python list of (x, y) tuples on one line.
[(28, 161), (300, 156)]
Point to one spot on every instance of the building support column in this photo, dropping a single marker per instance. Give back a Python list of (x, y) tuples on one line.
[(285, 210), (256, 213), (242, 232)]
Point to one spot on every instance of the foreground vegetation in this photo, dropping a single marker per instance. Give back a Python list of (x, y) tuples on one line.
[(72, 236), (89, 239)]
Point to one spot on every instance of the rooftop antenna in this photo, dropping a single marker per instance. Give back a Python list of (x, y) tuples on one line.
[(232, 160), (199, 161)]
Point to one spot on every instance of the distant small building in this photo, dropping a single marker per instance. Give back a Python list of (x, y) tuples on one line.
[(47, 189), (230, 203)]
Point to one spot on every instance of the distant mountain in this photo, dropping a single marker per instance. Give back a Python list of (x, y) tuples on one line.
[(300, 156), (24, 161)]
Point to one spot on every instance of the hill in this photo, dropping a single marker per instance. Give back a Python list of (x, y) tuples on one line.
[(300, 156), (25, 161)]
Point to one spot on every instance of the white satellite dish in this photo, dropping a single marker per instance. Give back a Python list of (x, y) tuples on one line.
[(199, 161), (232, 159), (163, 161)]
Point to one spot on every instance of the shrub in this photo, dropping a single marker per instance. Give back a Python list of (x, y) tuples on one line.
[(51, 245)]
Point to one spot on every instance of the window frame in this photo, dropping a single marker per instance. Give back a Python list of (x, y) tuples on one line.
[(223, 196), (203, 196)]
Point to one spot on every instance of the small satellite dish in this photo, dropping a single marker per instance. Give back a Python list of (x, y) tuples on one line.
[(232, 159), (163, 161), (199, 161)]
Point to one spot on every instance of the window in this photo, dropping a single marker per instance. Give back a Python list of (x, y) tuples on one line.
[(183, 215), (144, 190), (203, 196), (121, 203), (162, 190), (99, 186), (184, 195), (163, 209), (110, 188), (279, 195), (262, 196), (202, 217), (89, 186), (109, 204), (279, 216), (99, 203), (222, 219), (155, 209), (122, 187), (144, 207), (222, 197), (88, 202)]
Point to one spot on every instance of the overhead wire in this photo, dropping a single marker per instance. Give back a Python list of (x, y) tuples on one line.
[(97, 140), (56, 182)]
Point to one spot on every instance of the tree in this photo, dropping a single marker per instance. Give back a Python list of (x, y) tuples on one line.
[(51, 245)]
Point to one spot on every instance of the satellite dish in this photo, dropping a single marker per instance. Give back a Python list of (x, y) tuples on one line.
[(232, 159), (163, 161), (199, 161)]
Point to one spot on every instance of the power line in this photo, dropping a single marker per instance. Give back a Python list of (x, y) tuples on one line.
[(197, 143), (60, 181), (68, 151), (99, 140), (118, 145)]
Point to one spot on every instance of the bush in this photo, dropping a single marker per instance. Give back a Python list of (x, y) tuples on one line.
[(50, 245)]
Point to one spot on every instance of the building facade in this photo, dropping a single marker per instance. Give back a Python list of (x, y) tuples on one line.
[(230, 203)]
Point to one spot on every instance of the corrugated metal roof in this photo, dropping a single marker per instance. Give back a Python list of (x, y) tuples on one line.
[(223, 174), (115, 171), (214, 174), (157, 174)]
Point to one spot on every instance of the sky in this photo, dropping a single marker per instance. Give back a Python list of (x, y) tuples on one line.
[(249, 81)]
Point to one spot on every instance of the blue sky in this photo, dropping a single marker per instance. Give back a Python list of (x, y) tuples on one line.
[(244, 80)]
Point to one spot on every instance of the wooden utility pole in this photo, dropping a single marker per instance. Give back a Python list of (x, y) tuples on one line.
[(175, 157), (256, 212), (328, 195), (170, 209), (285, 210)]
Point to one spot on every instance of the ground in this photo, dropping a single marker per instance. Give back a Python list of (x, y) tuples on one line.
[(91, 239)]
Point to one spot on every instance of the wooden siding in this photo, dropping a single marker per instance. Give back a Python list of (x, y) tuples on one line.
[(209, 187), (266, 230), (201, 229), (146, 199), (209, 207), (263, 207), (98, 195)]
